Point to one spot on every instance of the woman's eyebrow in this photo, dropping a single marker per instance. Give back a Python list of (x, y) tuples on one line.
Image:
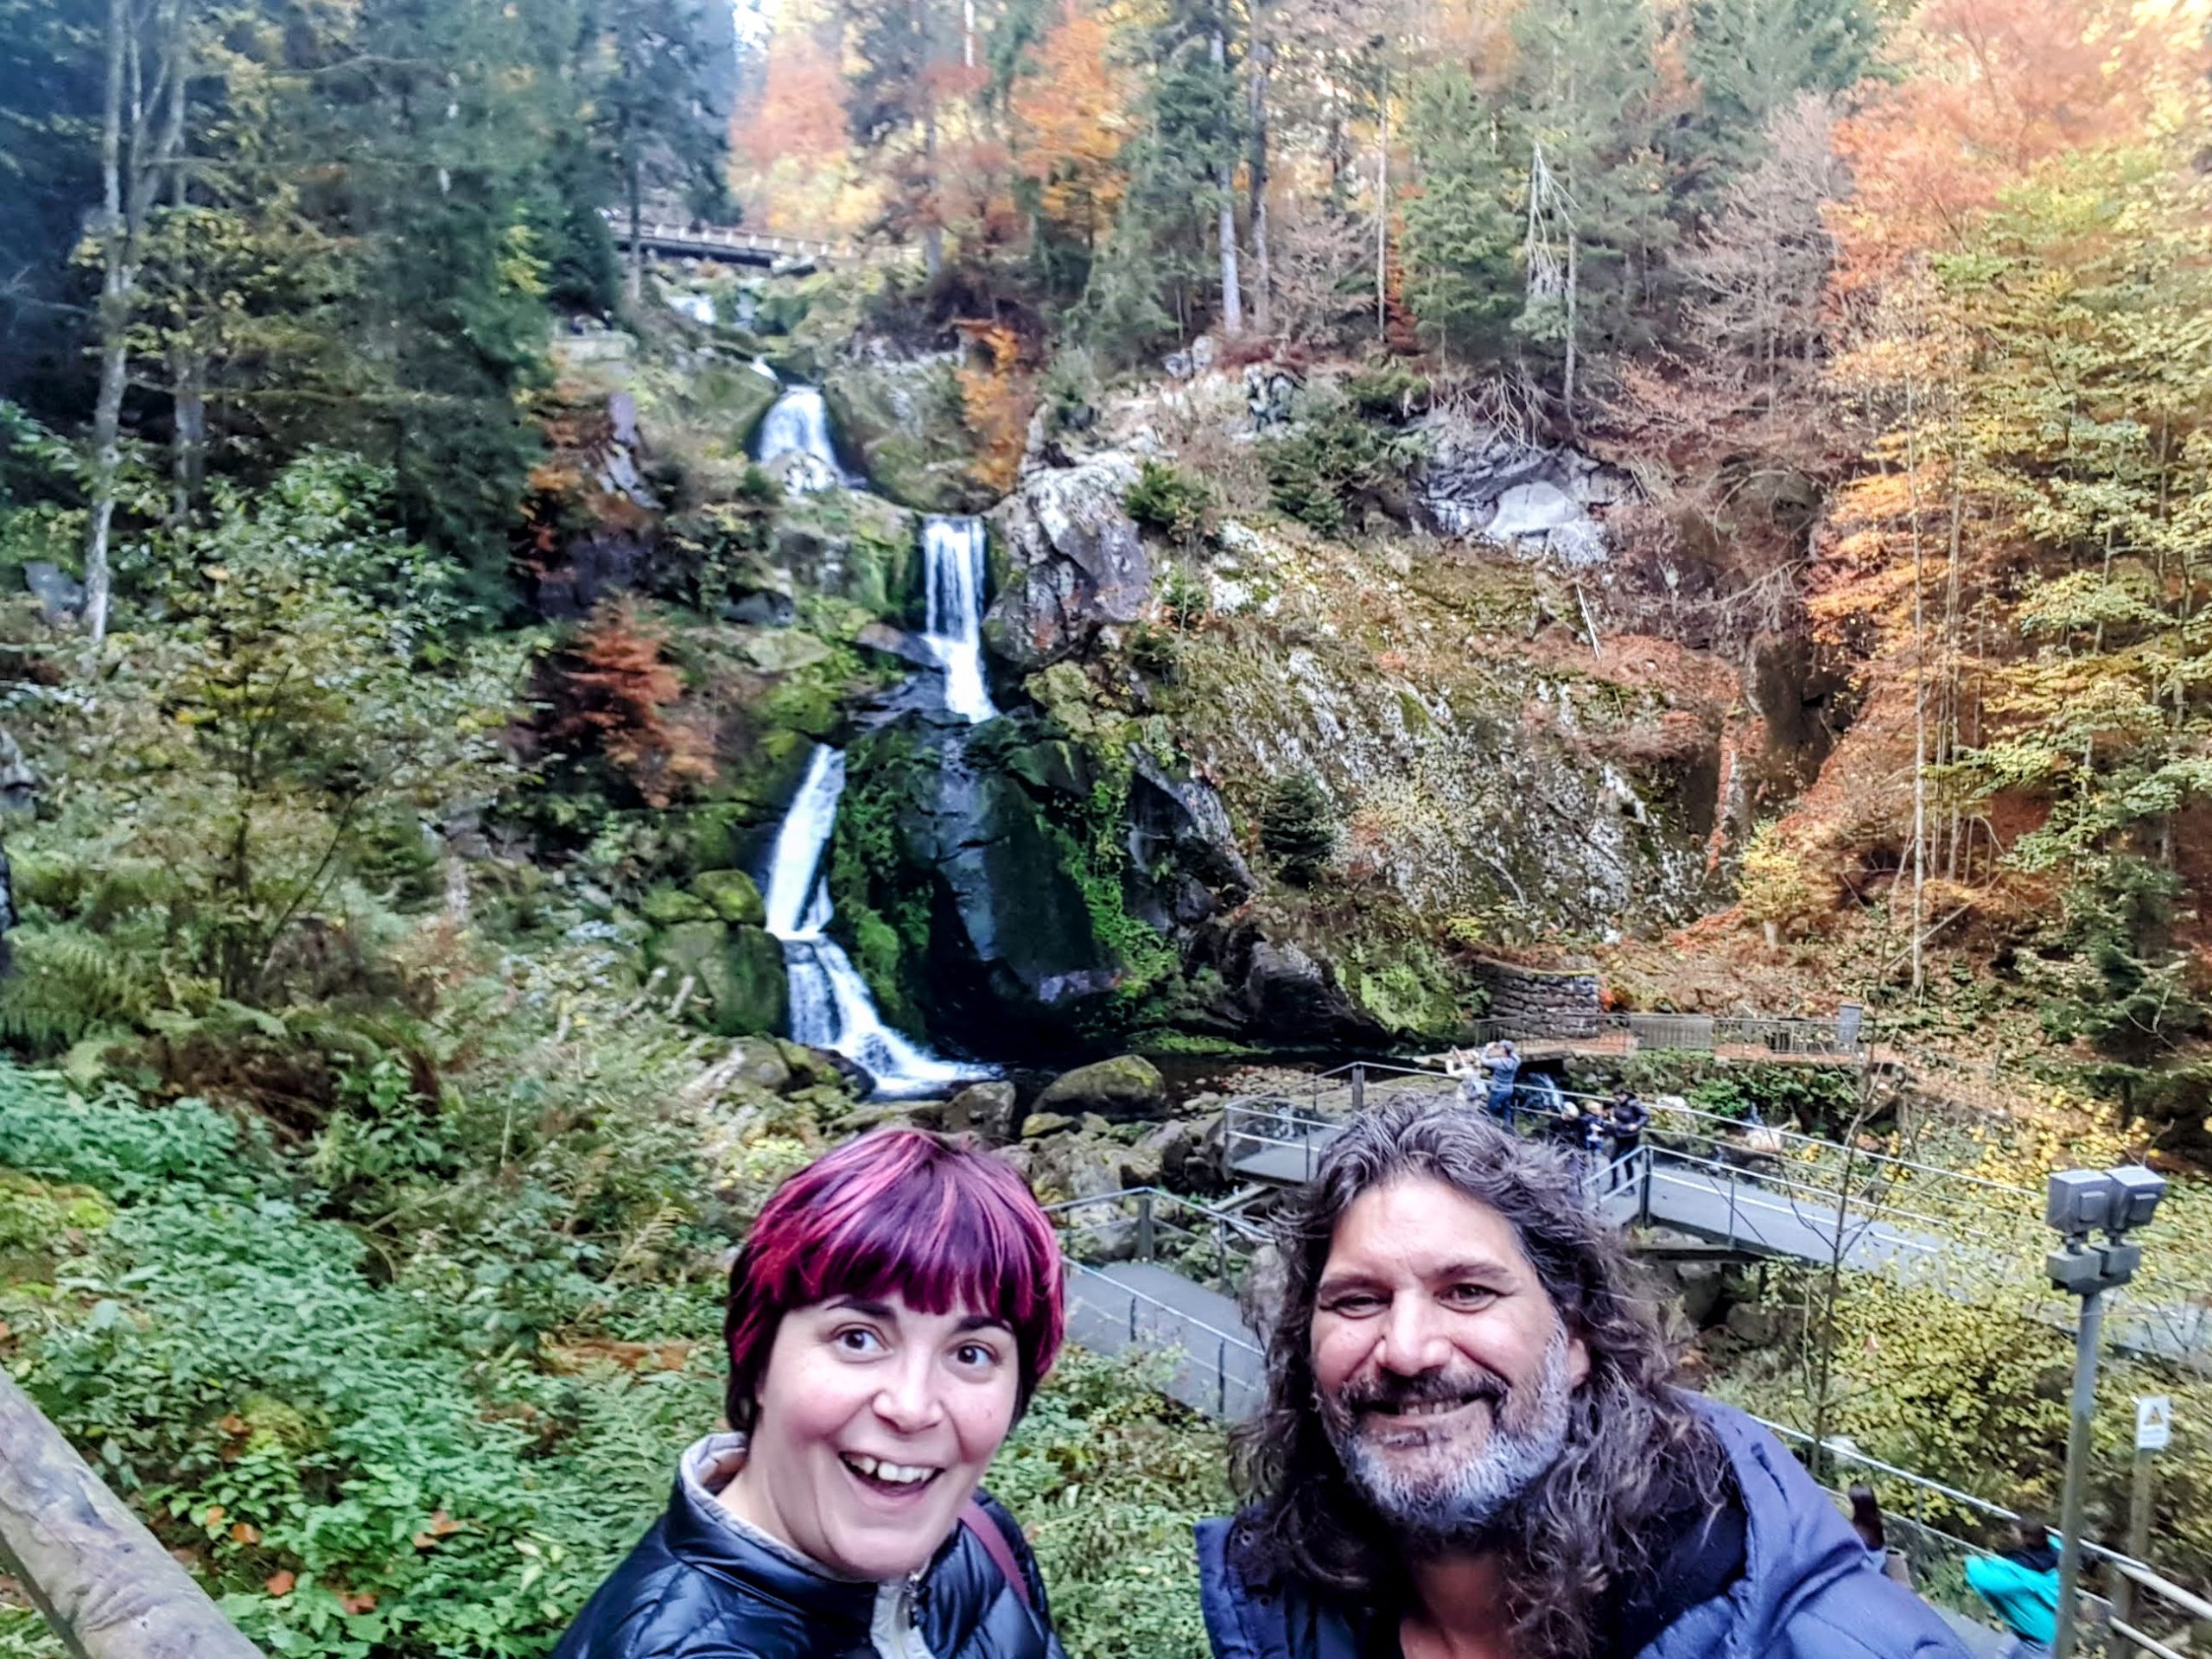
[(866, 1308), (983, 1322)]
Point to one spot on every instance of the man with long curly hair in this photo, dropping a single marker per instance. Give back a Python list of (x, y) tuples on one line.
[(1472, 1446)]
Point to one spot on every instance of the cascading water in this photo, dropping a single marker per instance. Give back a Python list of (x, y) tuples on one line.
[(830, 1005), (952, 553), (798, 423)]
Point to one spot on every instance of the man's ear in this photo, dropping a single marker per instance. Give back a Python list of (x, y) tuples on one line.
[(1578, 1362)]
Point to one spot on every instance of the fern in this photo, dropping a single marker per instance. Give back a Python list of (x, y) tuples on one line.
[(70, 983)]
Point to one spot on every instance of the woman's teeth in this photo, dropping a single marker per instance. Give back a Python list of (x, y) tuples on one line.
[(893, 1474)]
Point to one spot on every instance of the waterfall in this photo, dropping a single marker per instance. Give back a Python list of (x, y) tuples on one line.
[(798, 423), (952, 553), (830, 1005)]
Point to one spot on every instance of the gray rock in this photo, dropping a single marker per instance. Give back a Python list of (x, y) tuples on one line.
[(1069, 562), (61, 596), (1529, 509), (762, 1064), (987, 1109), (1124, 1087)]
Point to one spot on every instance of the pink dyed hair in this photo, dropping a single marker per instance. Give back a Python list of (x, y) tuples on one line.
[(904, 1212)]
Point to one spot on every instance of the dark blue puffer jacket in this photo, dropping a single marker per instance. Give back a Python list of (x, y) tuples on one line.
[(697, 1587), (1806, 1589)]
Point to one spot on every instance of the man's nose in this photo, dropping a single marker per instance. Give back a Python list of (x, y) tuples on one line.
[(909, 1400), (1414, 1342)]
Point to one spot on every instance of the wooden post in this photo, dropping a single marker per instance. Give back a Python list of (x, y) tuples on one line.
[(100, 1580), (2138, 1540), (1358, 1089)]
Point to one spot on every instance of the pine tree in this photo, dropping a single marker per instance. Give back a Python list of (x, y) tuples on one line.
[(1460, 231)]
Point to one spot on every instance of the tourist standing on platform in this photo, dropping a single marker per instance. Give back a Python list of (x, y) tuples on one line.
[(1503, 1063), (1472, 1447)]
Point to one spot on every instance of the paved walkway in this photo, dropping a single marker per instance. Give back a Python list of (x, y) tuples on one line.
[(1143, 1307)]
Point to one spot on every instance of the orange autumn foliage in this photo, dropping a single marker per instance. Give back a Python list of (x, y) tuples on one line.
[(1069, 119), (611, 691), (1993, 88), (995, 400)]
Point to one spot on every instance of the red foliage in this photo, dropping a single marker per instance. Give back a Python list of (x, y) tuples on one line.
[(610, 692)]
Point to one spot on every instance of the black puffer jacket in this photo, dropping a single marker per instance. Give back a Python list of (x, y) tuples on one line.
[(696, 1587)]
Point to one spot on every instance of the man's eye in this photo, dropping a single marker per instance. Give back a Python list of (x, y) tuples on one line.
[(1354, 1305), (1471, 1295)]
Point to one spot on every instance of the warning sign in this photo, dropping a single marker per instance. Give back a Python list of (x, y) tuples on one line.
[(2154, 1422)]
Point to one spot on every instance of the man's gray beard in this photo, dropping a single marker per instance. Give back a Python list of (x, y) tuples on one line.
[(1460, 1501)]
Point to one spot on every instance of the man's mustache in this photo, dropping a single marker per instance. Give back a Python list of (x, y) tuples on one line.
[(1388, 1394)]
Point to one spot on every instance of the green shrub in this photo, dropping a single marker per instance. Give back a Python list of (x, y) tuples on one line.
[(1172, 501), (1298, 826), (1335, 466)]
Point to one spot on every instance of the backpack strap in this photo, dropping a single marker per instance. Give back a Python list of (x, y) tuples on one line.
[(988, 1533)]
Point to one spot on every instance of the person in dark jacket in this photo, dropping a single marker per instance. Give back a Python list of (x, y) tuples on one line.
[(1472, 1443), (895, 1306)]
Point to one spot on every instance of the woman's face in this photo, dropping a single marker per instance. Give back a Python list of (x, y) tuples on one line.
[(874, 1425)]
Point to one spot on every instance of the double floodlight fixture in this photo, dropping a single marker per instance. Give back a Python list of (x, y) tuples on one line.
[(2114, 1202)]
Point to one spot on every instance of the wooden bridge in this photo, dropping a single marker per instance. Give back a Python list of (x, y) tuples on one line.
[(735, 245)]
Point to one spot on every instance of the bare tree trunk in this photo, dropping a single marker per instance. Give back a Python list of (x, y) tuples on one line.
[(633, 184), (1919, 702), (1261, 60), (187, 363), (1232, 297), (932, 231), (1383, 220), (114, 320)]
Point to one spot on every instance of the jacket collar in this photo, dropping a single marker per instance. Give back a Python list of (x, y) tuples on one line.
[(703, 1535)]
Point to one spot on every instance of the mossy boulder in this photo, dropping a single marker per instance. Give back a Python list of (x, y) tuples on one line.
[(731, 896), (1055, 766), (666, 907), (855, 545), (906, 422), (739, 986), (1127, 1086)]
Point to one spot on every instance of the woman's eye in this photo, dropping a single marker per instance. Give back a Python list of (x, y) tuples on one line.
[(976, 1355), (1355, 1307), (858, 1339)]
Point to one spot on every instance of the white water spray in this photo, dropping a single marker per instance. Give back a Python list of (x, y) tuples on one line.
[(830, 1005), (952, 556), (798, 423)]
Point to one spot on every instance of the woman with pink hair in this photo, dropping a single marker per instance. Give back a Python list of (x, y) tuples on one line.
[(890, 1316)]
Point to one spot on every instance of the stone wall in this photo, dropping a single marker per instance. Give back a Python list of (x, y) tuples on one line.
[(1565, 1002)]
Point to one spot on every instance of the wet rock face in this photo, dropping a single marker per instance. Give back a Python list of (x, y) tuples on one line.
[(1277, 992), (1183, 852), (1537, 500), (1067, 562)]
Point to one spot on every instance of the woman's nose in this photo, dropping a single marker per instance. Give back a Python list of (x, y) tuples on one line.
[(909, 1400)]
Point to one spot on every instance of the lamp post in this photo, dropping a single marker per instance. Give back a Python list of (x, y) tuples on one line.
[(2078, 1202)]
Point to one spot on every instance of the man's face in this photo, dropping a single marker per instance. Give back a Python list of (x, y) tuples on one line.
[(1444, 1369)]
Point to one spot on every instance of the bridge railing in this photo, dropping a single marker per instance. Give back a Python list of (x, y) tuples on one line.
[(1692, 1032), (1219, 1370), (2136, 1593), (1149, 1224)]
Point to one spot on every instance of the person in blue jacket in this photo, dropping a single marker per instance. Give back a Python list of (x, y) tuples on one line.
[(1471, 1444), (2022, 1585)]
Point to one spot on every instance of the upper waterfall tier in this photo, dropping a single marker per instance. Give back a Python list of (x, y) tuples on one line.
[(798, 423)]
